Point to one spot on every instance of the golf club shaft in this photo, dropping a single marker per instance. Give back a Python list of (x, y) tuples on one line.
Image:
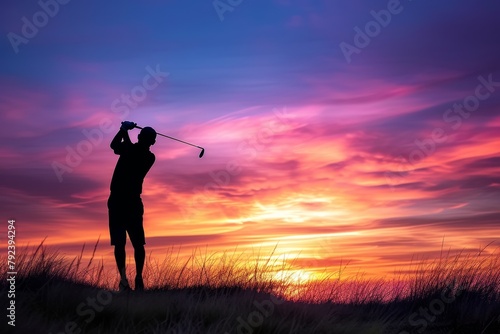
[(182, 141)]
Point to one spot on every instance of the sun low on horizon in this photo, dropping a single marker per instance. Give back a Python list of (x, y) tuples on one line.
[(362, 134)]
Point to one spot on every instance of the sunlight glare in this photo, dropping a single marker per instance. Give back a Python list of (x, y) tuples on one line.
[(294, 276)]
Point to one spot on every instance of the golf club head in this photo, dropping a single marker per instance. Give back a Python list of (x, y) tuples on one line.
[(202, 152)]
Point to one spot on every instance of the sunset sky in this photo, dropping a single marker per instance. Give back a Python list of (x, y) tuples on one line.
[(361, 131)]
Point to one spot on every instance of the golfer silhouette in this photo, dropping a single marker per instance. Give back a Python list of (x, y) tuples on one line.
[(125, 206)]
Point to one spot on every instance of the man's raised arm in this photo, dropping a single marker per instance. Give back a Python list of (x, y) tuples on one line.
[(116, 143)]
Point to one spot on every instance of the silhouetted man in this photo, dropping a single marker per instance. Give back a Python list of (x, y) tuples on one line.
[(124, 203)]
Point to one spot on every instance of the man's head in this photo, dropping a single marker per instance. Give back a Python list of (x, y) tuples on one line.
[(147, 136)]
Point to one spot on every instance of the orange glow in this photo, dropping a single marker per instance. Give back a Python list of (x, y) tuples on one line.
[(294, 276), (305, 194)]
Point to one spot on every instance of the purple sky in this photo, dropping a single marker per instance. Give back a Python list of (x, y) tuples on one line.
[(372, 153)]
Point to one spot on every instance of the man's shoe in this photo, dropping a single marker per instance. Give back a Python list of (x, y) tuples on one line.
[(139, 284), (124, 286)]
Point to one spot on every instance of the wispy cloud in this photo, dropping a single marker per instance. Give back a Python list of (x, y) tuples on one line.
[(298, 142)]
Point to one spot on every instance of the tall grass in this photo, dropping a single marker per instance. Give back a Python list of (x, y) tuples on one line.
[(209, 292)]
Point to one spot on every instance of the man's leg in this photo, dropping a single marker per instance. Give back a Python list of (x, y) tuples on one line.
[(120, 256), (140, 256), (136, 234), (118, 237), (120, 263)]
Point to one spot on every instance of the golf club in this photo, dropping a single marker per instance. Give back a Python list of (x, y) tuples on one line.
[(182, 141)]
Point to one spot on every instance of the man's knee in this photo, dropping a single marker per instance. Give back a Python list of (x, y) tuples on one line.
[(120, 248), (138, 247)]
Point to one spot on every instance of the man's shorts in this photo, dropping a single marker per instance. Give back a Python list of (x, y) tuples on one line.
[(125, 216)]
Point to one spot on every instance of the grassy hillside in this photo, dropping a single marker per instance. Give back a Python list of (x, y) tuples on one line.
[(459, 294)]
